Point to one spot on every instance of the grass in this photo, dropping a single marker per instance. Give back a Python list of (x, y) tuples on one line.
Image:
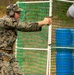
[(33, 62)]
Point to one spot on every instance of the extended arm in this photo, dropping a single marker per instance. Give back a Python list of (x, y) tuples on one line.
[(28, 27), (22, 26)]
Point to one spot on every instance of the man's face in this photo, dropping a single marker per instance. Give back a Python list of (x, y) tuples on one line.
[(17, 15)]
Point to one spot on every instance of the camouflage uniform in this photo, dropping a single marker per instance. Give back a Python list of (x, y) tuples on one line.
[(8, 34)]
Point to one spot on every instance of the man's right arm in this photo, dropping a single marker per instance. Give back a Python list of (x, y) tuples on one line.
[(28, 26)]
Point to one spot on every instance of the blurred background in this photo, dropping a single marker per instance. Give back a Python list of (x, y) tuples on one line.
[(5, 3), (60, 20)]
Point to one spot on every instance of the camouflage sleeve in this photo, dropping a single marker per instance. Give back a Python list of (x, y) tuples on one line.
[(21, 26), (1, 22), (8, 23), (28, 27)]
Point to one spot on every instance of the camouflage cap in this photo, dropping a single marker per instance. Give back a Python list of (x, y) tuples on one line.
[(13, 7)]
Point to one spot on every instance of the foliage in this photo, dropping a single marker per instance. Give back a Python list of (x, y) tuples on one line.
[(60, 9), (5, 3)]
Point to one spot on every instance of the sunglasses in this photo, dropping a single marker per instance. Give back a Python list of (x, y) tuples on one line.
[(18, 12)]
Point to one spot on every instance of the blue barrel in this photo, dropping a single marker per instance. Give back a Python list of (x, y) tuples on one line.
[(63, 38), (72, 32), (73, 62), (63, 63)]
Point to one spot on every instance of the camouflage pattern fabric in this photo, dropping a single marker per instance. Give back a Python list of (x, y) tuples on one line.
[(8, 34), (9, 28), (10, 67)]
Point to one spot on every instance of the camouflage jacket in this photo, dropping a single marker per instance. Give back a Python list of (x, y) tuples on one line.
[(9, 28)]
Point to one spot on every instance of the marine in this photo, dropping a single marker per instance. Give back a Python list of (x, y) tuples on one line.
[(9, 25)]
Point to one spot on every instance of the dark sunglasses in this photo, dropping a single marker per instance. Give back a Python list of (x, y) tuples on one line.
[(18, 12)]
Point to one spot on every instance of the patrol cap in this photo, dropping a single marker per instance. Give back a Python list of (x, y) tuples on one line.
[(13, 7)]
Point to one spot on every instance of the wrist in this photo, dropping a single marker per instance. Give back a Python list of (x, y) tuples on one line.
[(40, 23)]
